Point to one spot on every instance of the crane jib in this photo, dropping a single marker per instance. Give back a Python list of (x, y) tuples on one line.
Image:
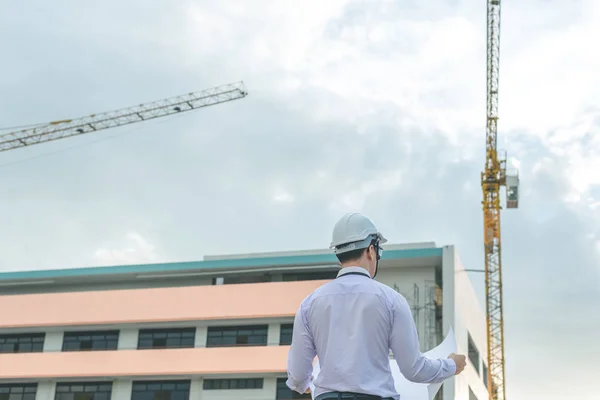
[(72, 127)]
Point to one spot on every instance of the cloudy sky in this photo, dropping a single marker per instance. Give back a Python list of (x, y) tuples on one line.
[(376, 106)]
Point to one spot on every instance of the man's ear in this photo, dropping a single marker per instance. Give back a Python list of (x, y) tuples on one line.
[(371, 252)]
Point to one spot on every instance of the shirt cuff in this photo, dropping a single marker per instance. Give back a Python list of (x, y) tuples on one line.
[(300, 387), (451, 366)]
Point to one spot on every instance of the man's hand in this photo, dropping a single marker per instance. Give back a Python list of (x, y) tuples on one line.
[(460, 362), (307, 391)]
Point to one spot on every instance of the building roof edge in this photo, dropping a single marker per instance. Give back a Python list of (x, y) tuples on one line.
[(317, 258)]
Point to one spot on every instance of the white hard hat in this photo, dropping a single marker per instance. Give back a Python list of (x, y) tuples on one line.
[(354, 231)]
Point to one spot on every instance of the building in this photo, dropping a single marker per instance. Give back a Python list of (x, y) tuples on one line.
[(212, 329)]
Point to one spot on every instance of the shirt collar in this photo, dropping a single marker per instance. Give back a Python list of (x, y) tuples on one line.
[(360, 270)]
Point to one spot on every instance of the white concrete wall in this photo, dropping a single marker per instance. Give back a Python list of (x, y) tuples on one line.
[(469, 318), (448, 311)]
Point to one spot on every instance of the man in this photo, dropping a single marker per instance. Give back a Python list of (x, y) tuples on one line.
[(352, 322)]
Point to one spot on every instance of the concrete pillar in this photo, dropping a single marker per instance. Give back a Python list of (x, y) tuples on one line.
[(53, 341), (121, 389), (196, 389), (270, 388), (200, 339), (273, 334), (45, 390), (128, 339)]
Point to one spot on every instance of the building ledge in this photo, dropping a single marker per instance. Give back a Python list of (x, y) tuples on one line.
[(145, 363), (157, 305)]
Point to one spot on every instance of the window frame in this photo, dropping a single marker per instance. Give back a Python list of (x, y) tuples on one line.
[(110, 338), (283, 392), (472, 348), (283, 337), (28, 391), (180, 334), (257, 384), (135, 385), (213, 340), (58, 392), (22, 339)]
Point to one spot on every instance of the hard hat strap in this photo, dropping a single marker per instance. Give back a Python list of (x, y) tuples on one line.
[(375, 243)]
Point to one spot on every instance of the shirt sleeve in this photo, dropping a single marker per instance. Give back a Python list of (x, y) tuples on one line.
[(404, 343), (301, 355)]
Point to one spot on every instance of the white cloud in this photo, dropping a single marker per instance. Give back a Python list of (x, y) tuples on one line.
[(132, 249), (283, 196)]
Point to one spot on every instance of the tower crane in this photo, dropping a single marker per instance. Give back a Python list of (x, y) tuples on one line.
[(72, 127), (493, 177)]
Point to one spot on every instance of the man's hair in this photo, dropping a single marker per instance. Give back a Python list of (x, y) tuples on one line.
[(351, 255)]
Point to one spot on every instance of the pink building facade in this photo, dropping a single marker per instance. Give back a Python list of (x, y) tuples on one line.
[(213, 329)]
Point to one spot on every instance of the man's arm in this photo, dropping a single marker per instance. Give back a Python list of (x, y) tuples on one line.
[(404, 343), (301, 355)]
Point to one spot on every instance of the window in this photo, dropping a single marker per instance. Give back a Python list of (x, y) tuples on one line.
[(83, 391), (472, 395), (227, 336), (18, 391), (473, 353), (285, 393), (170, 338), (309, 276), (285, 334), (231, 384), (160, 390), (484, 374), (22, 343), (90, 340), (246, 278)]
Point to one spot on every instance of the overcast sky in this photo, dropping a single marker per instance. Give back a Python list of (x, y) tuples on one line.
[(375, 106)]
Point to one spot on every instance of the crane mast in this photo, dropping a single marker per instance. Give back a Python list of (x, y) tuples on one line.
[(493, 178), (112, 119)]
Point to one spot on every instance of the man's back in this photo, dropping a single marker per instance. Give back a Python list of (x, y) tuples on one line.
[(351, 323), (350, 320)]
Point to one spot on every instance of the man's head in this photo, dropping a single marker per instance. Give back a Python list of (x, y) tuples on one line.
[(356, 242)]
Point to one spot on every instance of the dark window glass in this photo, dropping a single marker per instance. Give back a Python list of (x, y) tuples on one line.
[(473, 353), (285, 334), (484, 373), (228, 336), (22, 343), (233, 280), (309, 276), (472, 395), (83, 391), (170, 338), (18, 391), (285, 393), (160, 390), (230, 384), (90, 340)]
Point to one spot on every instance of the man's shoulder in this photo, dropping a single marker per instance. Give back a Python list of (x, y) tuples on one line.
[(391, 294), (321, 290)]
